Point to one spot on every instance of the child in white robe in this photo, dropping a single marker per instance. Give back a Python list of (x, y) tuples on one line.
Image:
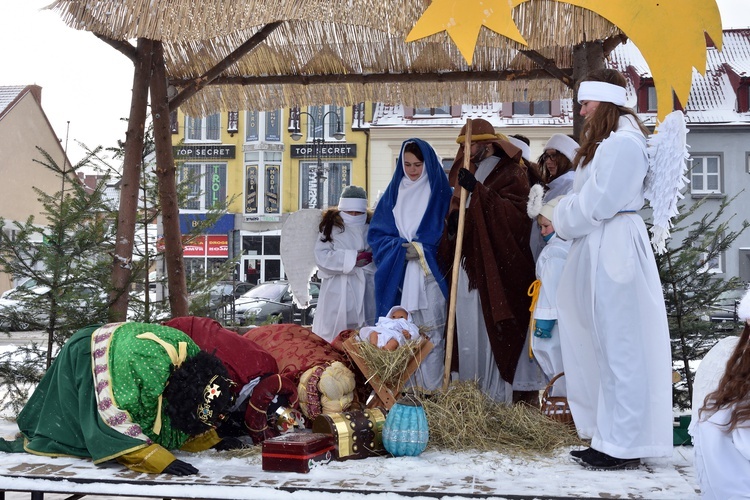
[(392, 330), (545, 341), (721, 428), (344, 259)]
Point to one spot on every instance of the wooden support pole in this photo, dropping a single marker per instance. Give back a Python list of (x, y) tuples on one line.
[(456, 264), (130, 183), (166, 176)]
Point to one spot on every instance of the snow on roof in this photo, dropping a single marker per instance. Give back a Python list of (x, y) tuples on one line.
[(712, 96), (8, 94)]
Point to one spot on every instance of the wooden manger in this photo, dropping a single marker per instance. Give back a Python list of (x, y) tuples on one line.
[(386, 394)]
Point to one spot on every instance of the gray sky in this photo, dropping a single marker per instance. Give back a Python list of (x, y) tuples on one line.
[(87, 83)]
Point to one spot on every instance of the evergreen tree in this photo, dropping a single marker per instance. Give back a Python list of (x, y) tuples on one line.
[(67, 258), (690, 287), (144, 305)]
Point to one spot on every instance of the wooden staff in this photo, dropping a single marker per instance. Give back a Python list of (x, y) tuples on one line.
[(456, 263)]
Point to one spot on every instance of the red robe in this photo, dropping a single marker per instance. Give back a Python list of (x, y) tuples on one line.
[(245, 360)]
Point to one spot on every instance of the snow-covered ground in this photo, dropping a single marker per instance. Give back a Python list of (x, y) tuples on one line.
[(434, 474)]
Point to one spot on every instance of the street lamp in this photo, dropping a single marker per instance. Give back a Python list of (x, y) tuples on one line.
[(318, 142)]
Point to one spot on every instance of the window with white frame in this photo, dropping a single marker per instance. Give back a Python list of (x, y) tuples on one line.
[(261, 257), (206, 183), (336, 176), (203, 129), (328, 121), (705, 174), (263, 126), (263, 182)]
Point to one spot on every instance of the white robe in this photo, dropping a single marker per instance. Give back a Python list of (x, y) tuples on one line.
[(613, 322), (347, 292), (722, 460), (547, 352)]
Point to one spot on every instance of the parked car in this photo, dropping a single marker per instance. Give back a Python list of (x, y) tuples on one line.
[(25, 284), (222, 292), (13, 310), (272, 302), (724, 309), (29, 307)]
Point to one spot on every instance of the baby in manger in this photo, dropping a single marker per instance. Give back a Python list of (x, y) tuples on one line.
[(392, 330)]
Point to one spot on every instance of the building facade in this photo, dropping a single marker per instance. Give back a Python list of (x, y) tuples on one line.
[(24, 127), (263, 165)]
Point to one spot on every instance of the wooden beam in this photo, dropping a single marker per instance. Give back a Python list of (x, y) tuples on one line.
[(611, 43), (193, 86), (374, 78), (121, 46), (550, 67)]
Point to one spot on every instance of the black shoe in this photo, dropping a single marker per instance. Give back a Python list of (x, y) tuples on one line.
[(596, 460), (580, 453)]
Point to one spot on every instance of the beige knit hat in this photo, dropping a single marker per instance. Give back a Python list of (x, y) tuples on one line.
[(549, 208)]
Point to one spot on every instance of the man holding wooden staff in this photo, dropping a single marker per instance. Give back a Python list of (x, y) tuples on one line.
[(492, 305)]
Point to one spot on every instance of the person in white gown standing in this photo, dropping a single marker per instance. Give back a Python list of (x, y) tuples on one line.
[(612, 318), (721, 428), (344, 259)]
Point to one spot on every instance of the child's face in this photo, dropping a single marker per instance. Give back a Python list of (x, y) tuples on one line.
[(399, 314), (545, 225)]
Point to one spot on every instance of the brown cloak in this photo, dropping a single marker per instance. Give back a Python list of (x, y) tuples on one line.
[(496, 255)]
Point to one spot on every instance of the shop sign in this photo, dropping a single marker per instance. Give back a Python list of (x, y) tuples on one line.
[(204, 152), (194, 247), (326, 150), (189, 222), (217, 245)]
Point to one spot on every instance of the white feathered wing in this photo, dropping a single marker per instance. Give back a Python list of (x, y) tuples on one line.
[(667, 166), (298, 236)]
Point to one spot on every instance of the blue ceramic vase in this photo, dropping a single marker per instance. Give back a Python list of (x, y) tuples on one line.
[(405, 432)]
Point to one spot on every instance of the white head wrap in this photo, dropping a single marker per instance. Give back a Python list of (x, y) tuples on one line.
[(563, 144), (352, 205), (602, 92), (525, 149)]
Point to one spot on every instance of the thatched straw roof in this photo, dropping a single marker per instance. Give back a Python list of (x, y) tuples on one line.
[(339, 51)]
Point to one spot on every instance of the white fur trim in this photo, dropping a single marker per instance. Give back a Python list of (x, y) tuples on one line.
[(602, 92), (534, 205), (525, 149), (353, 205), (743, 309), (563, 144)]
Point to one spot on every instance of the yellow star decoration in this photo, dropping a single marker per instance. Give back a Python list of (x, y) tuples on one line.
[(669, 33), (463, 19)]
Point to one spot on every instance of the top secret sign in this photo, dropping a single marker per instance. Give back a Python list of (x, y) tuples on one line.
[(337, 150), (204, 152)]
